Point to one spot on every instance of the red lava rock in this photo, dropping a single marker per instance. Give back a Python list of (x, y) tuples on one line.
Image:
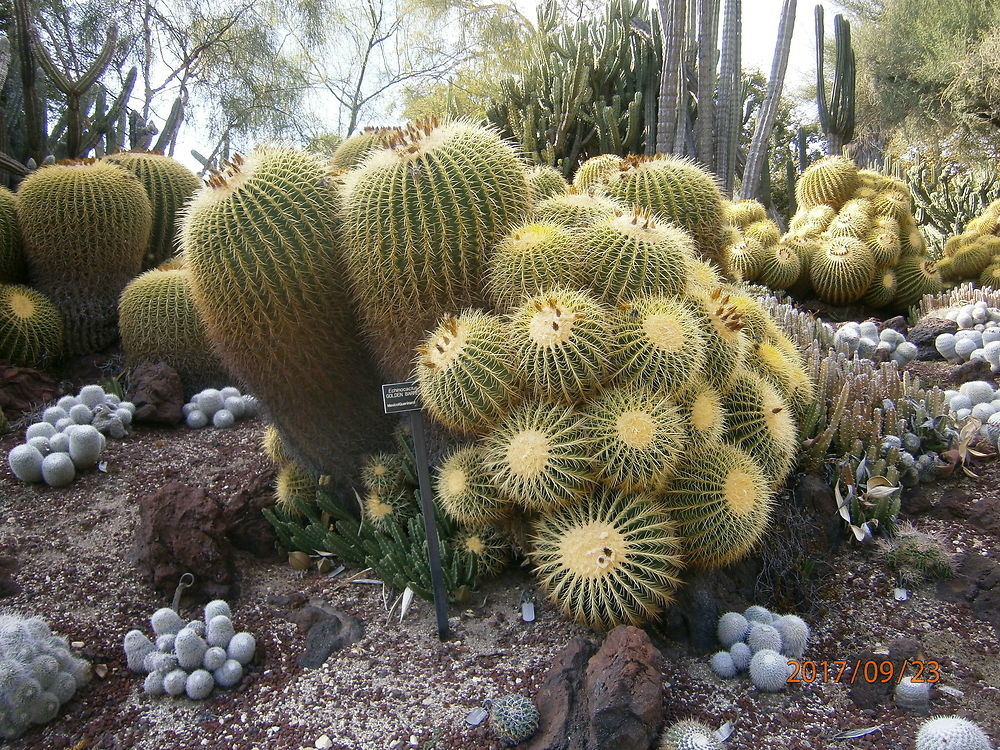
[(249, 530), (23, 389), (974, 369), (181, 530), (624, 691), (156, 391)]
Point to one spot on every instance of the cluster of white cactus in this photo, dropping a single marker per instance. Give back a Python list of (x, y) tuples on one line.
[(978, 399), (971, 343), (38, 674), (761, 642), (190, 658), (866, 340), (221, 408), (70, 436)]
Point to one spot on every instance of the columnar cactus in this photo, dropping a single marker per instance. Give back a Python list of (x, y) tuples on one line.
[(276, 305)]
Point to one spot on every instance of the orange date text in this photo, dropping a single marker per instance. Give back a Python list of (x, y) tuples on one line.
[(863, 670)]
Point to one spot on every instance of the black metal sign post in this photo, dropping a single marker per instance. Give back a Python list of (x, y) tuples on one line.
[(404, 397)]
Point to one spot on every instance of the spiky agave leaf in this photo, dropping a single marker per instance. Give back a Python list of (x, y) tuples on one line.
[(561, 339), (638, 435), (465, 371), (538, 456), (611, 559), (658, 340), (465, 491), (721, 500)]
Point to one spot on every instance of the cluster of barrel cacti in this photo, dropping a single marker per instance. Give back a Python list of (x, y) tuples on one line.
[(975, 253), (852, 240), (71, 238)]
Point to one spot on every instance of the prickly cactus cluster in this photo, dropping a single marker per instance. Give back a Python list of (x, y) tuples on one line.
[(222, 408), (866, 340), (977, 337), (689, 735), (975, 254), (853, 240), (951, 733), (38, 674), (190, 658), (635, 415), (70, 436), (762, 643)]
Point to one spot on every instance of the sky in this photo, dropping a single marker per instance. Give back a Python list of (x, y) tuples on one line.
[(760, 33)]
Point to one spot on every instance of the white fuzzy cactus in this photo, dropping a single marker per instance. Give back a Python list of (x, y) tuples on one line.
[(912, 696), (723, 665), (794, 633), (689, 735), (732, 628), (764, 637), (769, 671), (951, 733)]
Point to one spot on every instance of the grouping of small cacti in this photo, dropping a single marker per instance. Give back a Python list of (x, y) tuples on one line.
[(916, 556), (71, 238), (70, 436), (760, 642), (219, 408), (38, 674), (977, 337), (975, 253), (951, 733), (190, 658), (866, 340), (513, 718), (980, 400), (852, 240)]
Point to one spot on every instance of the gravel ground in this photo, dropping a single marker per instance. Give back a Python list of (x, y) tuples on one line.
[(399, 687)]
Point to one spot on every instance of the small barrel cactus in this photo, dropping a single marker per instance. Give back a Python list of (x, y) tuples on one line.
[(724, 665), (689, 735), (513, 718), (733, 628), (913, 696), (763, 637), (951, 733)]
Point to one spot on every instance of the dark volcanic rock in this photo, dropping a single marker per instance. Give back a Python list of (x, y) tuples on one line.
[(977, 583), (181, 530), (625, 691), (929, 329), (333, 632), (956, 503), (974, 369), (561, 700), (248, 529), (8, 567), (897, 323), (156, 391)]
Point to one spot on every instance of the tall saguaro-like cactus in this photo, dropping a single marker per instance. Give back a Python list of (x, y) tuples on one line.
[(729, 113), (836, 117), (757, 157)]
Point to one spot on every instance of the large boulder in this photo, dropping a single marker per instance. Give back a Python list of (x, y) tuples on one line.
[(155, 389)]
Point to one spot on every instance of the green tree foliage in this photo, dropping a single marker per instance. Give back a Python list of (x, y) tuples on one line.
[(929, 73)]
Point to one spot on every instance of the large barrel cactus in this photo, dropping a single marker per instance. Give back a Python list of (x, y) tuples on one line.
[(169, 185), (31, 330), (421, 215), (85, 226), (159, 323), (12, 269), (262, 246)]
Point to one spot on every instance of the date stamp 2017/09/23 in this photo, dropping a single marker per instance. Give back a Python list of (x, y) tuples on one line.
[(863, 670)]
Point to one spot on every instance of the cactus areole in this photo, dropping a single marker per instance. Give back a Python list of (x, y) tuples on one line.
[(398, 398)]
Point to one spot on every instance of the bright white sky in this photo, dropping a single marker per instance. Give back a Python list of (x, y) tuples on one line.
[(760, 33)]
